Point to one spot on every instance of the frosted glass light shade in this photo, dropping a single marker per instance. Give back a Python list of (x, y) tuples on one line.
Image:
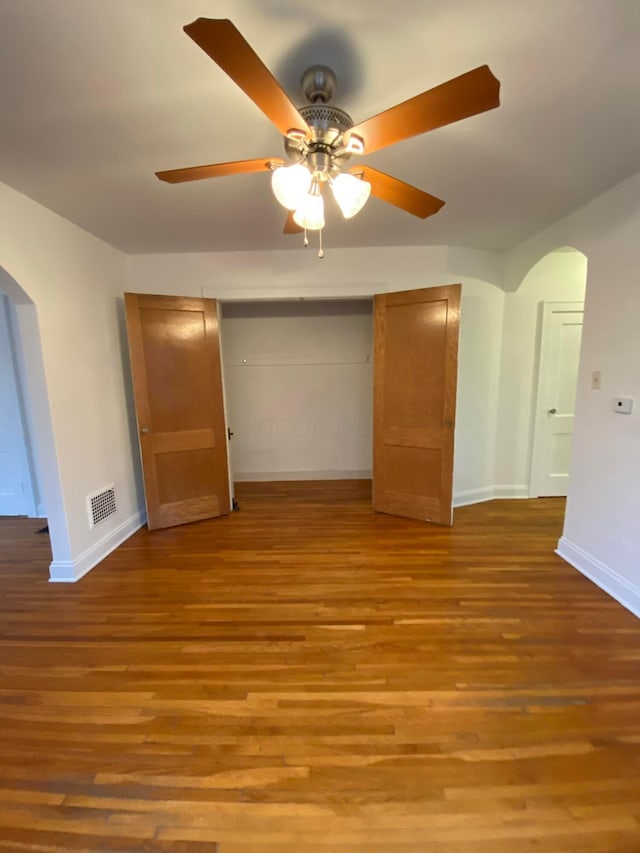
[(351, 193), (290, 184), (310, 214)]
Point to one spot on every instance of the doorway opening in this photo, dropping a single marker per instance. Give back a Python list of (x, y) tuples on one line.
[(347, 390), (554, 409), (299, 389), (293, 402), (20, 492), (550, 301), (28, 429)]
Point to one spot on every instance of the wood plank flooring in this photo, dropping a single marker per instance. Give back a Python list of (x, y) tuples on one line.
[(306, 676)]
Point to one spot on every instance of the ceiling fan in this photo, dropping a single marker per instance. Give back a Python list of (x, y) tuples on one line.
[(320, 139)]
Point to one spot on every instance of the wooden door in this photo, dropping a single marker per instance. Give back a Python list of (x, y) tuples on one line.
[(557, 384), (415, 375), (177, 379)]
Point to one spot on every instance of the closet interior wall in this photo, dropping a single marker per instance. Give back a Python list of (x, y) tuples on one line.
[(298, 385)]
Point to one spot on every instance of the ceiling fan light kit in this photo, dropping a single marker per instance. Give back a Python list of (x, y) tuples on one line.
[(320, 139), (290, 184), (320, 158), (310, 212), (351, 193)]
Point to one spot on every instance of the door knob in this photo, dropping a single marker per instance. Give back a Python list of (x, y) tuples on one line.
[(551, 411)]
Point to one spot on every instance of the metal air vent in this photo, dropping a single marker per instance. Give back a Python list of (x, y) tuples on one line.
[(101, 504)]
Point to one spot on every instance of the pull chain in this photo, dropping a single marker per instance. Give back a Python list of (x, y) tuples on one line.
[(321, 250), (306, 239)]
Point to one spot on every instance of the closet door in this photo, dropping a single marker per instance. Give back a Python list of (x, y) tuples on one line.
[(415, 375), (177, 378)]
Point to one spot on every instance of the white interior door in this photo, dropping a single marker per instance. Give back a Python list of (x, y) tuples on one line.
[(15, 486), (557, 380)]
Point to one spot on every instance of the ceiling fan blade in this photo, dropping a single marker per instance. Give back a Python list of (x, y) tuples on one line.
[(474, 92), (291, 227), (218, 170), (396, 192), (220, 40)]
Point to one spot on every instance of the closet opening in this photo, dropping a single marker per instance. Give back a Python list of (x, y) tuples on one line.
[(298, 380)]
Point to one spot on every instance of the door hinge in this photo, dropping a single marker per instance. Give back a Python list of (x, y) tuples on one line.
[(229, 433)]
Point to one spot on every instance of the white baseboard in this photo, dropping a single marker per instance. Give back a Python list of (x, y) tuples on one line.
[(489, 493), (624, 592), (272, 476), (70, 571), (473, 496)]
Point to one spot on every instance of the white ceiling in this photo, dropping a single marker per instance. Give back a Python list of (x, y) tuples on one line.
[(96, 95)]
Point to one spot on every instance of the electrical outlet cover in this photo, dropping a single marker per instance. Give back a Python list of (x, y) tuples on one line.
[(623, 405)]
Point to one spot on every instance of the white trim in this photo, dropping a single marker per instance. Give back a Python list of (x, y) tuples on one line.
[(618, 587), (490, 493), (473, 496), (225, 407), (348, 290), (272, 476), (70, 571), (518, 492)]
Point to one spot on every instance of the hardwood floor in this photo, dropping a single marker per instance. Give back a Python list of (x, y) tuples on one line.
[(305, 676)]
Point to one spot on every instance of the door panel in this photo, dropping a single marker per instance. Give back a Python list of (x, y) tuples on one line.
[(557, 383), (415, 375), (177, 377)]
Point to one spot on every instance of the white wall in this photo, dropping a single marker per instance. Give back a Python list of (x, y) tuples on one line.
[(601, 533), (298, 378), (364, 272), (300, 273), (560, 277), (72, 349), (481, 318)]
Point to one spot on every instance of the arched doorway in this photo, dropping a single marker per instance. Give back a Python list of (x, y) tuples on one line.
[(19, 486), (541, 348), (22, 319)]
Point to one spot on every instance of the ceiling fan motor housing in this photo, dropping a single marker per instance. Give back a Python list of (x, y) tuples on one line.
[(328, 123)]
